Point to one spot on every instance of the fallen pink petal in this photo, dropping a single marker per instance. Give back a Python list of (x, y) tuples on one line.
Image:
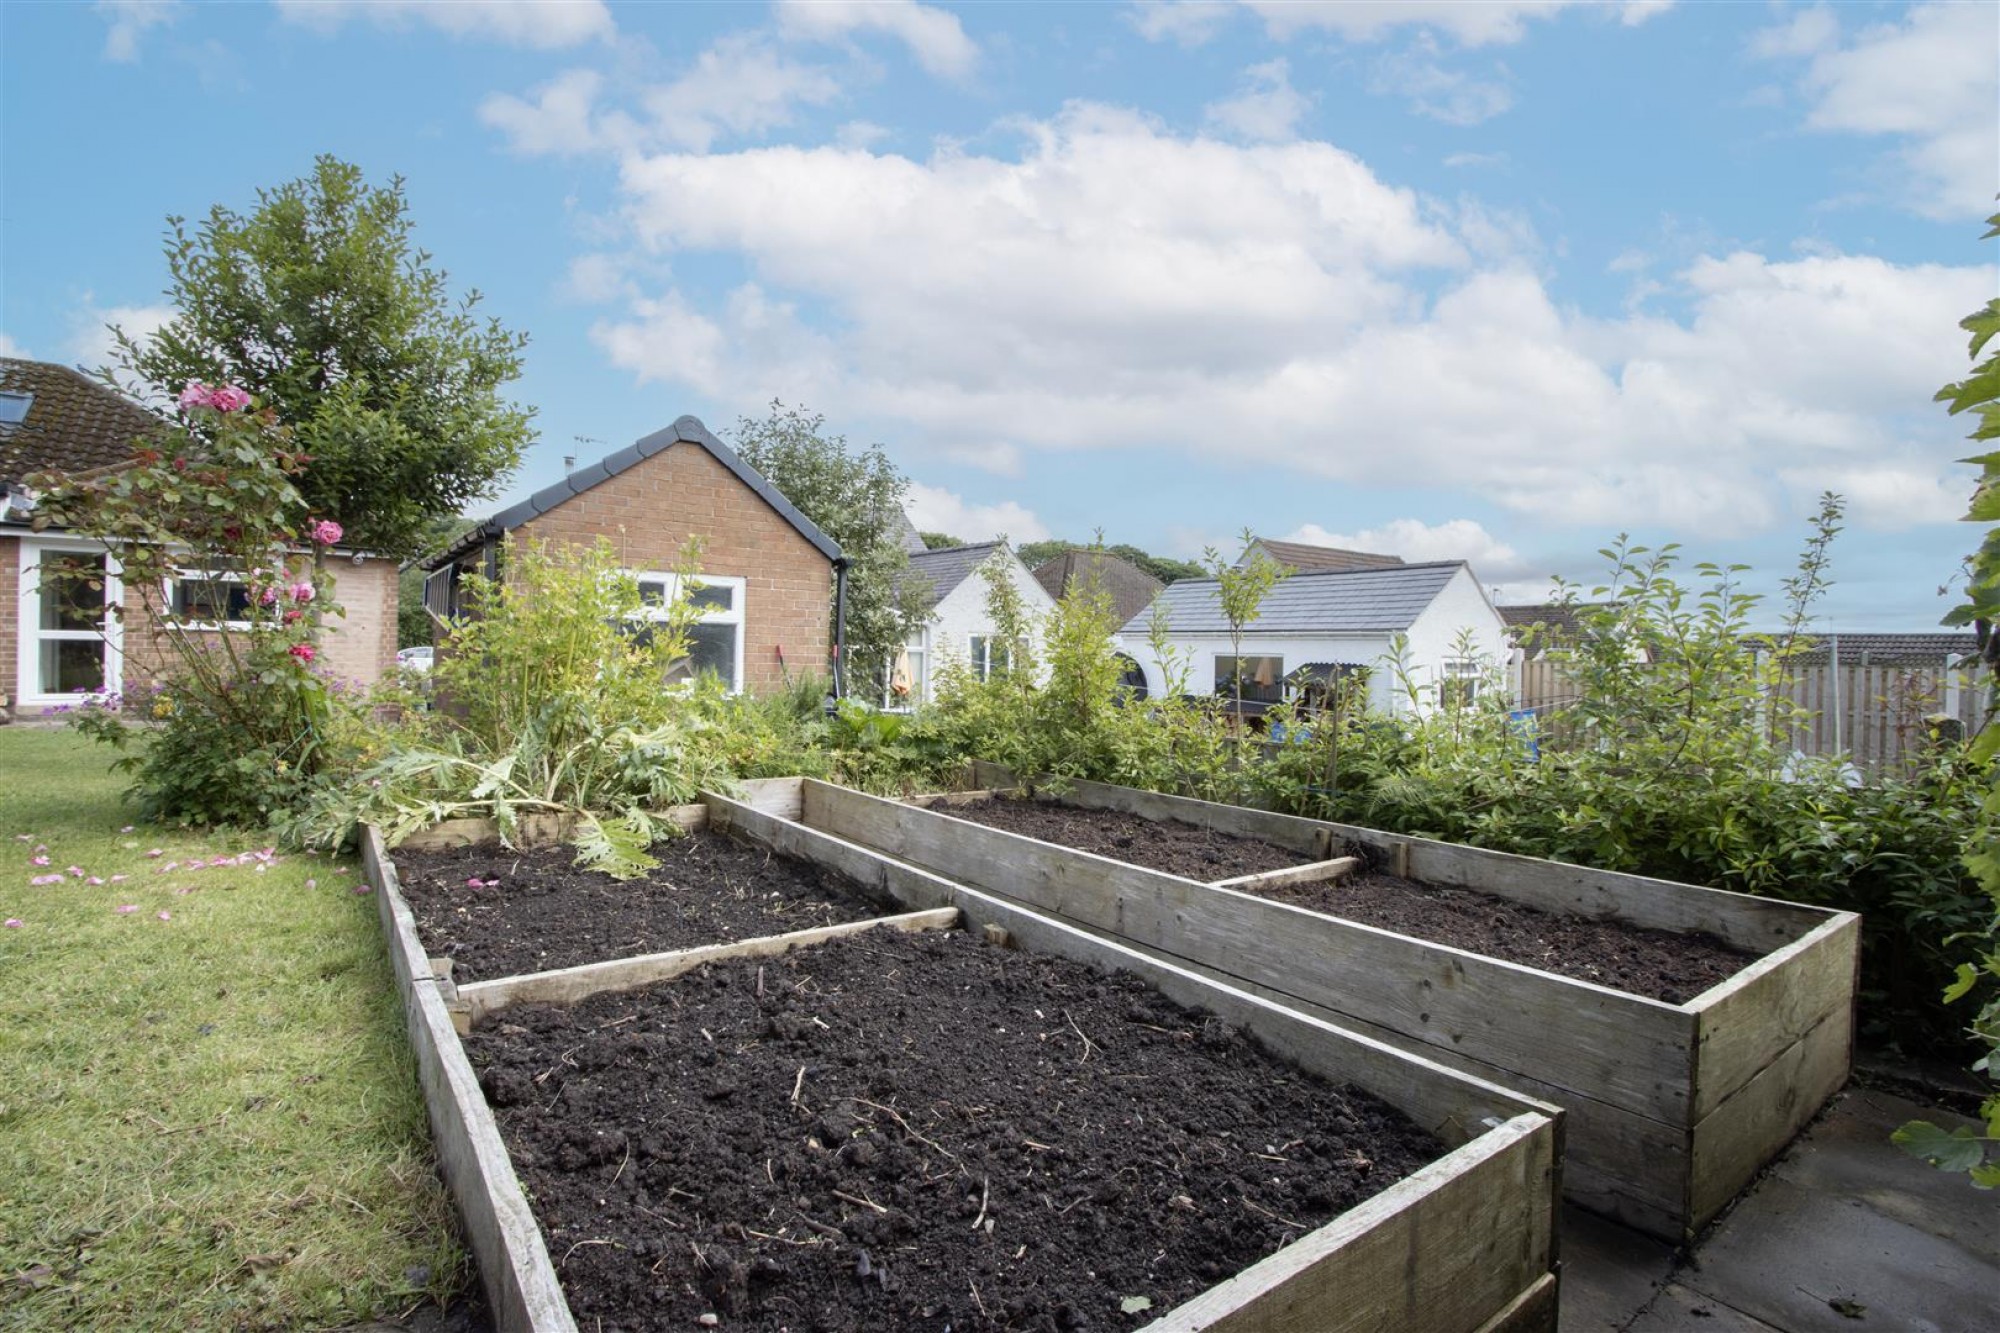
[(96, 881), (15, 923), (38, 860), (46, 879), (363, 888), (166, 915), (128, 907), (128, 828), (118, 879), (76, 872), (156, 852), (312, 884)]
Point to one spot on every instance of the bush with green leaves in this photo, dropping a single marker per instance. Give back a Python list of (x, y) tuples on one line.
[(227, 594)]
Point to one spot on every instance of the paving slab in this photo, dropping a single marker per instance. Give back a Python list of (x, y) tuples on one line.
[(1844, 1234)]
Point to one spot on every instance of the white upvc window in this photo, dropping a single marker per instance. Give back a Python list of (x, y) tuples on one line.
[(71, 641), (990, 655), (913, 669), (209, 599), (1460, 683), (715, 639)]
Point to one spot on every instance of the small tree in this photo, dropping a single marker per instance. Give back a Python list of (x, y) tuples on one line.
[(1242, 588), (856, 499), (1979, 393), (319, 303)]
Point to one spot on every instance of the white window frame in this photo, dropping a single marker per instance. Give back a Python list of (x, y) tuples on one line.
[(188, 574), (917, 646), (1224, 687), (1460, 671), (739, 593), (982, 663), (28, 675)]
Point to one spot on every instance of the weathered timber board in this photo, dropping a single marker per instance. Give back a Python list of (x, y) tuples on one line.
[(1316, 872), (1746, 1021), (571, 984), (514, 1267), (1467, 1245), (534, 830), (1625, 1050)]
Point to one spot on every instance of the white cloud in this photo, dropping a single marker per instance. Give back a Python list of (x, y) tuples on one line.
[(1932, 81), (595, 278), (1189, 23), (1416, 541), (740, 86), (128, 21), (90, 344), (1434, 89), (1890, 497), (1115, 286), (934, 36), (1468, 22), (545, 24), (1268, 108), (9, 347), (935, 509), (1460, 161)]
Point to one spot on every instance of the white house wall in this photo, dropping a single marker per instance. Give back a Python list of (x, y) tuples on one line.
[(963, 614), (1461, 605)]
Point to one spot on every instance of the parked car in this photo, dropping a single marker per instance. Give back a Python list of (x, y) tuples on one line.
[(416, 659)]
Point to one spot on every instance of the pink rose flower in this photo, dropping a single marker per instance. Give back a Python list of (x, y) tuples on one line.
[(305, 652), (326, 532), (268, 595), (229, 398), (294, 617), (196, 394), (302, 593)]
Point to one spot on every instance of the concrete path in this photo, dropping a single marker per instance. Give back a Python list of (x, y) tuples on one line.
[(1845, 1234)]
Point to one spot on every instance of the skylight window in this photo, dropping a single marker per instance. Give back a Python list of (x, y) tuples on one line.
[(14, 408)]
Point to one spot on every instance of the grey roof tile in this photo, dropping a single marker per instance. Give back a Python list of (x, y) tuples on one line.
[(1347, 601), (949, 566)]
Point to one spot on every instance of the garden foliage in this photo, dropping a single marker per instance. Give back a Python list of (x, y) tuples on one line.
[(226, 597)]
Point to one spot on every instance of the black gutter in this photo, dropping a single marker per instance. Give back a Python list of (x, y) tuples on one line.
[(840, 567)]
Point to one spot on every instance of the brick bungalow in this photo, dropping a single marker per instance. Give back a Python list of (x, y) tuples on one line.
[(55, 647), (768, 574)]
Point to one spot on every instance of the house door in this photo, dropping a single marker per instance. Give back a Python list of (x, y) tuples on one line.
[(70, 641)]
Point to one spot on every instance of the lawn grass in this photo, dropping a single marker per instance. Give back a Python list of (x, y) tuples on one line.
[(208, 1120)]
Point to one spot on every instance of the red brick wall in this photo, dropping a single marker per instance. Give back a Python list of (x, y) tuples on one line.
[(649, 510), (10, 615), (360, 647)]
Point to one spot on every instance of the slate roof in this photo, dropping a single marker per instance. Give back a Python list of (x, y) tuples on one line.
[(1305, 559), (1925, 650), (1558, 617), (687, 430), (907, 534), (1132, 589), (949, 566), (1349, 601), (74, 423)]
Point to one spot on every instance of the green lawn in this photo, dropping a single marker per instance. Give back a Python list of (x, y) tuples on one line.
[(208, 1113)]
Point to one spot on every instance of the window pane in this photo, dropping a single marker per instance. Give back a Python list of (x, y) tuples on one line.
[(69, 665), (713, 648), (652, 592), (72, 588), (209, 601), (713, 597), (1263, 678)]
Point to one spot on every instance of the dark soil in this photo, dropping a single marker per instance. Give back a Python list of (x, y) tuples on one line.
[(918, 1132), (1165, 845), (545, 913), (1660, 964)]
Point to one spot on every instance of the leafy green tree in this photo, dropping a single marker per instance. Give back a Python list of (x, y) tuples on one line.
[(1163, 568), (1979, 393), (1242, 588), (320, 304), (856, 497), (938, 541)]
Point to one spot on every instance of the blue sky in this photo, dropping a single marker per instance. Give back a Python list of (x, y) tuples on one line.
[(1492, 281)]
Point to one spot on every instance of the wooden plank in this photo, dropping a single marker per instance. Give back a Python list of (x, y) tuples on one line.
[(777, 796), (539, 830), (1533, 1311), (515, 1272), (1623, 1049), (1316, 872), (1750, 923), (948, 798), (1754, 1125), (1452, 1105), (1451, 1247), (1746, 1022), (571, 984)]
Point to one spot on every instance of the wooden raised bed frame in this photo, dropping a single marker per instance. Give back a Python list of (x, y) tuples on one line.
[(1466, 1245), (1673, 1108)]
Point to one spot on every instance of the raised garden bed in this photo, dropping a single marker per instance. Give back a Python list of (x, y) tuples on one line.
[(1674, 1104), (911, 1024)]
